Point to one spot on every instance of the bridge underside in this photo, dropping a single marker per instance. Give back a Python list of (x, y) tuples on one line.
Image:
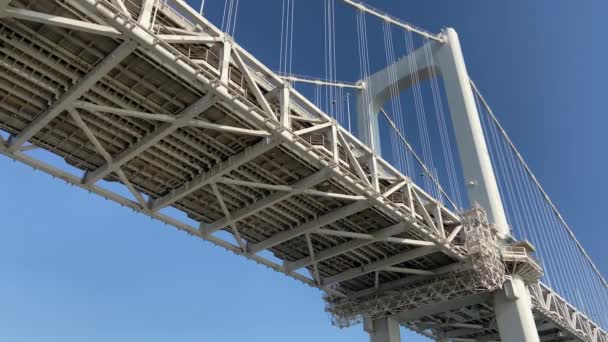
[(472, 318), (116, 111), (165, 114)]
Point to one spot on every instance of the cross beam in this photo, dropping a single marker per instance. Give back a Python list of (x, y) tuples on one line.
[(145, 14), (169, 118), (379, 265), (446, 306), (67, 99), (308, 227), (106, 156), (151, 139), (347, 246), (407, 270), (121, 5), (289, 188), (68, 23), (214, 174), (189, 39), (266, 202)]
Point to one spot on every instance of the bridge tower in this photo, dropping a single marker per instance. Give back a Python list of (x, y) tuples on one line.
[(512, 303)]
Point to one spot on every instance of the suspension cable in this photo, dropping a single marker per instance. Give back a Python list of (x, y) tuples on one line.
[(395, 99), (384, 16), (420, 110), (443, 131), (364, 74), (419, 160), (538, 185), (229, 16)]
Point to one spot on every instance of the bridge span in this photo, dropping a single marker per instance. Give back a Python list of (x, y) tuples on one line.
[(150, 105)]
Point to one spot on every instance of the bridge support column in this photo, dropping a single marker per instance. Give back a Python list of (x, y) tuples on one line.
[(513, 308), (475, 158), (383, 330)]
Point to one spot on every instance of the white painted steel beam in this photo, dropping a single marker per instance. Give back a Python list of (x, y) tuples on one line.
[(353, 159), (261, 204), (284, 101), (121, 5), (226, 128), (153, 138), (379, 265), (289, 188), (93, 107), (226, 52), (214, 174), (374, 237), (372, 164), (395, 187), (406, 270), (106, 156), (310, 80), (184, 8), (145, 14), (427, 218), (92, 138), (357, 242), (235, 230), (189, 39), (253, 86), (335, 195), (67, 99), (313, 128), (432, 309), (238, 182), (454, 233), (68, 23), (335, 144), (170, 118), (311, 252), (311, 226)]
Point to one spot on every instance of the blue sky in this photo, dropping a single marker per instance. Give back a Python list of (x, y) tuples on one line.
[(77, 267)]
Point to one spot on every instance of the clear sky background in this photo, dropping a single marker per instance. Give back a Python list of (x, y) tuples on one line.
[(76, 267)]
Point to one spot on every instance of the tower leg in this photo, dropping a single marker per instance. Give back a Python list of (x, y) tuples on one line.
[(383, 330), (475, 159), (513, 308)]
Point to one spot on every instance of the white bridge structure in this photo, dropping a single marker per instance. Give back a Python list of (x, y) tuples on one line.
[(148, 104)]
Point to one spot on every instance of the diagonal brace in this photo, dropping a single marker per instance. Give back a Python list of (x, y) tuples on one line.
[(311, 226), (266, 202), (151, 139), (214, 174), (66, 100)]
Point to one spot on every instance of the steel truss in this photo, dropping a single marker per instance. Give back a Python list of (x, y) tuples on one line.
[(484, 273), (151, 96), (554, 308), (338, 206), (456, 306)]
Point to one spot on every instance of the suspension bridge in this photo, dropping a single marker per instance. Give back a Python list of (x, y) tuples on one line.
[(149, 104)]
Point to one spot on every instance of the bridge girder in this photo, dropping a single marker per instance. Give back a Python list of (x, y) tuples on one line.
[(289, 124)]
